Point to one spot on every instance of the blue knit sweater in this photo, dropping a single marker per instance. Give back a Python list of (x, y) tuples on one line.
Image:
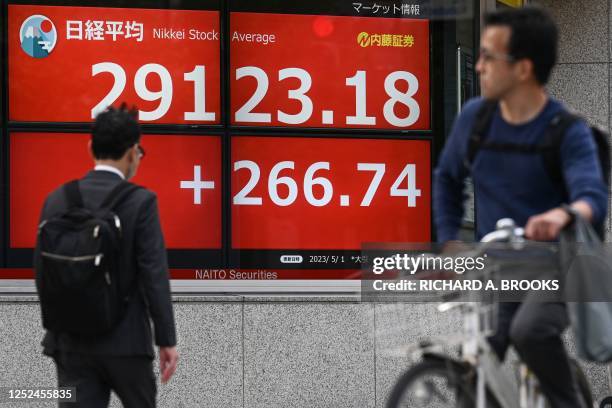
[(515, 185)]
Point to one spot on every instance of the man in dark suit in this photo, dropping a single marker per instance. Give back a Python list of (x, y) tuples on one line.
[(122, 359)]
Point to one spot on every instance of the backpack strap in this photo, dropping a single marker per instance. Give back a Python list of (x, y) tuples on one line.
[(73, 194), (551, 145), (118, 194), (549, 148), (481, 126), (515, 147)]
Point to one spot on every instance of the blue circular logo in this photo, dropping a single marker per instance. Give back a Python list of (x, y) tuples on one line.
[(38, 36)]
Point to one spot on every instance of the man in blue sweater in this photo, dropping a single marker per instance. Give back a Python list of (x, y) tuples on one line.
[(518, 51)]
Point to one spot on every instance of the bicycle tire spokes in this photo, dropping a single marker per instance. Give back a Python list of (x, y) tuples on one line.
[(432, 385)]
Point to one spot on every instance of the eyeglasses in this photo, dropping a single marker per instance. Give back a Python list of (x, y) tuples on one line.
[(488, 56), (141, 151)]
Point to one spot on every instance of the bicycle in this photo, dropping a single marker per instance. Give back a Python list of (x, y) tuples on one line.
[(475, 378)]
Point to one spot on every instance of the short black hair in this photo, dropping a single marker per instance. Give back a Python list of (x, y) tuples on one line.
[(114, 131), (533, 36)]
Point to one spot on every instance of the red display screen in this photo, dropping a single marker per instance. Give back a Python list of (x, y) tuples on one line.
[(184, 172), (233, 194), (66, 64), (329, 71), (324, 193)]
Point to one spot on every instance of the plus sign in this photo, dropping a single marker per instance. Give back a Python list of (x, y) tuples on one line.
[(197, 185)]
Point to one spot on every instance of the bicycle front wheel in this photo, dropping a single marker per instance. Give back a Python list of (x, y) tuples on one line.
[(432, 384)]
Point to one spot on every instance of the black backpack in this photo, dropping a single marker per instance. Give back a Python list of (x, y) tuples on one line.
[(549, 148), (77, 263)]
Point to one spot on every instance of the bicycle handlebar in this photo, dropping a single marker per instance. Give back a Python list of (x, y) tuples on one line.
[(505, 230)]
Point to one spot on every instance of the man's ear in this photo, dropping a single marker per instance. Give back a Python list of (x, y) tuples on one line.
[(526, 69)]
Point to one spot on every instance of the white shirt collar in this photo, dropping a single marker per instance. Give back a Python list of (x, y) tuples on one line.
[(104, 167)]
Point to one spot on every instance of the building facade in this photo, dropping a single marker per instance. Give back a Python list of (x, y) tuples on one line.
[(262, 124)]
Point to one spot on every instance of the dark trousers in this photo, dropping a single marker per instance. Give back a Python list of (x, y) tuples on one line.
[(534, 329), (94, 376)]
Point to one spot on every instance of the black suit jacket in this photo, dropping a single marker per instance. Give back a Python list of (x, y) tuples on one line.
[(144, 259)]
